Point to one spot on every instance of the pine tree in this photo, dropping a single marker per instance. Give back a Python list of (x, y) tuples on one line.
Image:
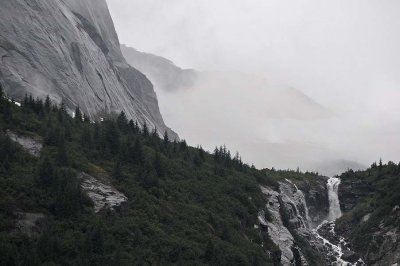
[(47, 104), (209, 254), (25, 103), (86, 137), (62, 156), (112, 138), (117, 171), (145, 130), (166, 138), (154, 134), (122, 122), (45, 173), (7, 112), (158, 165), (137, 153), (149, 177), (1, 93), (78, 115)]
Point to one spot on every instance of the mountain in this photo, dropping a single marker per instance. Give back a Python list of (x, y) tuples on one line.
[(109, 193), (69, 50), (163, 73), (276, 100), (335, 167)]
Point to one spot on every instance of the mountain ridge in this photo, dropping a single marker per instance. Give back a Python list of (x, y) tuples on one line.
[(70, 51)]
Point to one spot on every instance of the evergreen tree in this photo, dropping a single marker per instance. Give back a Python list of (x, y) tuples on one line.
[(117, 171), (47, 104), (45, 173), (137, 153), (25, 103), (145, 130), (155, 133), (112, 138), (86, 137), (158, 165), (1, 94), (166, 138), (7, 112), (62, 156), (209, 254), (78, 115), (122, 122), (149, 177)]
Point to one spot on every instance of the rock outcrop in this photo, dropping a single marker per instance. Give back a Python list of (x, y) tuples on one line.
[(102, 195), (32, 145), (69, 50)]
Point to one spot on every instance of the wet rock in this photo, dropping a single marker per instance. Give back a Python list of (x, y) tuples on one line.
[(102, 195), (278, 233), (316, 195), (31, 145)]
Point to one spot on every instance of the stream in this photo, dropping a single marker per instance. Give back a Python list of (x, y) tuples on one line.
[(336, 244)]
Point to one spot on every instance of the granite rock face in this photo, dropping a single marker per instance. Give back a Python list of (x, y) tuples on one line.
[(102, 195), (31, 145), (69, 50), (316, 195)]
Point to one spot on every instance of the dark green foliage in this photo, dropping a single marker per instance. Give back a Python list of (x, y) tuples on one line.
[(179, 211), (117, 171), (379, 201)]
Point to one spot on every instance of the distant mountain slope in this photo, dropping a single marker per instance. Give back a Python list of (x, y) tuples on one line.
[(269, 123), (69, 49), (337, 167), (277, 100), (161, 71)]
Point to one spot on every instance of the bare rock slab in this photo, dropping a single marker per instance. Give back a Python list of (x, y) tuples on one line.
[(31, 145), (102, 195)]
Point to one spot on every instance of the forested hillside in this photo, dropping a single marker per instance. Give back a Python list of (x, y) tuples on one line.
[(371, 201), (185, 206)]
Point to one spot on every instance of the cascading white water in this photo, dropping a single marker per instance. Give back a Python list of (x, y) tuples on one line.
[(334, 213), (334, 205)]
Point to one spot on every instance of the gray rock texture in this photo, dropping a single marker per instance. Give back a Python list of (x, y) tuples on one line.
[(69, 50), (102, 195), (31, 145)]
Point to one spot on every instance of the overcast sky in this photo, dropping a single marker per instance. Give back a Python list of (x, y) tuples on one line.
[(342, 53)]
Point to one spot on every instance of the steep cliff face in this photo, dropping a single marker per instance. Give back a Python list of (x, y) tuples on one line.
[(316, 195), (290, 224), (69, 50)]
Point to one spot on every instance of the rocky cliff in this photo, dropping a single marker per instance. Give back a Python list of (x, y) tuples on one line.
[(69, 50)]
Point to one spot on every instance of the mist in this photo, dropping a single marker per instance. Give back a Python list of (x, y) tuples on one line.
[(318, 83)]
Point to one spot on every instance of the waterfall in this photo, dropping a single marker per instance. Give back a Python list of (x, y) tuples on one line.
[(334, 206)]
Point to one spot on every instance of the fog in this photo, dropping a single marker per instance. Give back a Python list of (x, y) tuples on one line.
[(343, 55)]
